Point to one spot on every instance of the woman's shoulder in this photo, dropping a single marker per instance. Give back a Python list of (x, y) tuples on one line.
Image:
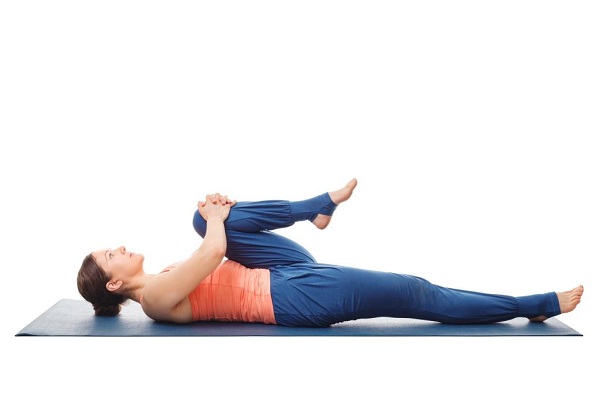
[(153, 288), (157, 307)]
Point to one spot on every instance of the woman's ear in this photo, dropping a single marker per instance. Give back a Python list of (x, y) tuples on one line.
[(112, 285)]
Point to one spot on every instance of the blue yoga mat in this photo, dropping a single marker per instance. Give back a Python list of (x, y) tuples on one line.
[(70, 317)]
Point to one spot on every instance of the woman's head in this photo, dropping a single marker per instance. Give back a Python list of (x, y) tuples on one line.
[(103, 278)]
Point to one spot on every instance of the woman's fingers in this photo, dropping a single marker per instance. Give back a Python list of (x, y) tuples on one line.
[(226, 200), (219, 198), (212, 198)]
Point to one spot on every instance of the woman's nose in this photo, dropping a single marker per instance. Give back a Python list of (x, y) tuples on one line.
[(122, 249)]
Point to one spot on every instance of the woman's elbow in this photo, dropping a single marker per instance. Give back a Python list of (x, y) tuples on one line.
[(218, 252)]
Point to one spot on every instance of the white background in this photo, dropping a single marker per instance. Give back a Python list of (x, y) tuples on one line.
[(471, 126)]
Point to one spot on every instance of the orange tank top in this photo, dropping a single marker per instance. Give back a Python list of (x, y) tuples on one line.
[(233, 292)]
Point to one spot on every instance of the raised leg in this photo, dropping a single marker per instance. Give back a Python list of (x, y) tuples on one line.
[(250, 240)]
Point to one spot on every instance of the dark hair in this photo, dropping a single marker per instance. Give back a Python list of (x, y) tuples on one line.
[(91, 282)]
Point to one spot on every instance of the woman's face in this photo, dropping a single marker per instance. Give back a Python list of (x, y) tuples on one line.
[(118, 263)]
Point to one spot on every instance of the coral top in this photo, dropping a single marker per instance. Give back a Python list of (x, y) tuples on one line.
[(233, 292)]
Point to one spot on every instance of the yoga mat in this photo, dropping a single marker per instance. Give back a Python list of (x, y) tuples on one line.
[(70, 317)]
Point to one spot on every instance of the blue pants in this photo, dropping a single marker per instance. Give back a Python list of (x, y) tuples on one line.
[(307, 293)]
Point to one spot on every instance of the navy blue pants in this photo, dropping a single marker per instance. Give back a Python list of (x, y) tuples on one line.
[(307, 293)]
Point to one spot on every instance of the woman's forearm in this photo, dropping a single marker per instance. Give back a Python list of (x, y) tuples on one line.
[(167, 290), (215, 240)]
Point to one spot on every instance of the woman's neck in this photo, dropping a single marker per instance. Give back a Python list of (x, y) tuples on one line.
[(137, 286)]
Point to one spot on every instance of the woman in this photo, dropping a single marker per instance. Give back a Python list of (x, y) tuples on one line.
[(243, 271)]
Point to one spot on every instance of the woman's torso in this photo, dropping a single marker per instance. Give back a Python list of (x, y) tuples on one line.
[(231, 292)]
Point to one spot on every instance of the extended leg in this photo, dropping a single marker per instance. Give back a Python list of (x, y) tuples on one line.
[(320, 295)]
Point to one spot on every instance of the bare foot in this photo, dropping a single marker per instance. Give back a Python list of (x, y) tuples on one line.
[(338, 197), (566, 300)]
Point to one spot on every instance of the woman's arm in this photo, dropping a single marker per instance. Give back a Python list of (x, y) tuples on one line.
[(164, 293)]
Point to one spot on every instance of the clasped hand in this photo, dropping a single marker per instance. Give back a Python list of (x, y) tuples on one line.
[(215, 205)]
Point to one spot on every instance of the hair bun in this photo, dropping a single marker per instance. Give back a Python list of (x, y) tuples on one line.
[(107, 311)]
